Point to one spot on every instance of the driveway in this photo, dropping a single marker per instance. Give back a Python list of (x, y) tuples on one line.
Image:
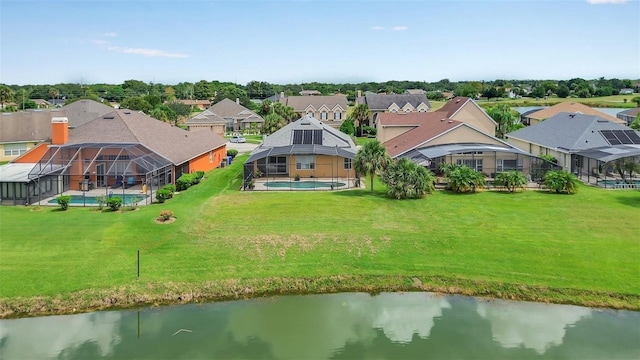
[(242, 147)]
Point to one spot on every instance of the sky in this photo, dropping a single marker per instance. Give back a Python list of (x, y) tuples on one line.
[(292, 42)]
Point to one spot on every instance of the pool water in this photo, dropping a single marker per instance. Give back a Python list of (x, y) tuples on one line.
[(91, 200), (613, 182), (303, 184)]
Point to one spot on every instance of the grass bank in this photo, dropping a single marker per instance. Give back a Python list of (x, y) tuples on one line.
[(581, 249)]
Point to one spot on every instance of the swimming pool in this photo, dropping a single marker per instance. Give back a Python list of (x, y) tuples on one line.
[(91, 200), (617, 182), (304, 184)]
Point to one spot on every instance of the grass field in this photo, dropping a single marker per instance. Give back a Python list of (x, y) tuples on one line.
[(581, 249)]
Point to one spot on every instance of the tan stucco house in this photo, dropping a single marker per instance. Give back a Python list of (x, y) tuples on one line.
[(331, 110)]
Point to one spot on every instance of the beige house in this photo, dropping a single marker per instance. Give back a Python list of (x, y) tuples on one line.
[(24, 130), (226, 115), (392, 103), (331, 110), (567, 107), (200, 104)]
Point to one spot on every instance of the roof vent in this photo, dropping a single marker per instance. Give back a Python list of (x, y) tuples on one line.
[(457, 101), (305, 122), (127, 112), (109, 117), (450, 121), (443, 119)]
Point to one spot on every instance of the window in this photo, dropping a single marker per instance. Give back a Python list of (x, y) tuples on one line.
[(422, 110), (305, 162), (210, 156), (507, 165), (14, 149), (337, 115), (348, 164), (310, 114), (323, 115), (475, 164)]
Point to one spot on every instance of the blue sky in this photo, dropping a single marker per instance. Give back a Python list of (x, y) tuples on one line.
[(48, 42)]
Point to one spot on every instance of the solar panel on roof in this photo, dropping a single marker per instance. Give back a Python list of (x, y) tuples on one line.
[(622, 137), (633, 136), (610, 137)]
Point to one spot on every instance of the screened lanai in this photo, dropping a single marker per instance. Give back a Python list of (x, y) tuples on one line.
[(486, 158), (94, 165), (308, 162), (614, 167)]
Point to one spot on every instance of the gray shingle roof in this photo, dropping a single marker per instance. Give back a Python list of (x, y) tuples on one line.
[(330, 137), (300, 103), (27, 125), (225, 109), (83, 111), (127, 126), (381, 102), (572, 132)]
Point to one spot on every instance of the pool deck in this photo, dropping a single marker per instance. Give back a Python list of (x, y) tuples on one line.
[(350, 184), (133, 190)]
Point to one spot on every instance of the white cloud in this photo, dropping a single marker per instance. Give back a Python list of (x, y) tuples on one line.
[(377, 28), (99, 42), (109, 34), (598, 2), (147, 52), (399, 28)]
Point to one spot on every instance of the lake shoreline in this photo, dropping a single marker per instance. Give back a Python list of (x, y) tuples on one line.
[(144, 294)]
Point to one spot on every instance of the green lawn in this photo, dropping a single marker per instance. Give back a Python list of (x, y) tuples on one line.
[(583, 248), (614, 101)]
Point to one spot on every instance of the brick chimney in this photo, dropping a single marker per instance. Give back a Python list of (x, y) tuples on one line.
[(59, 130)]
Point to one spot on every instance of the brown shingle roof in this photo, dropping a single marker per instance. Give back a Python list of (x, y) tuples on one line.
[(571, 107), (413, 118), (85, 110), (453, 105), (431, 125), (127, 126), (300, 103)]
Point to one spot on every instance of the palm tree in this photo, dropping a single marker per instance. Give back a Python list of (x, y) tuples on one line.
[(406, 179), (360, 115), (561, 181), (272, 123), (371, 159), (464, 179), (512, 180)]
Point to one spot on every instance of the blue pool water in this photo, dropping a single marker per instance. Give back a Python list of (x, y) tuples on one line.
[(303, 184), (91, 200)]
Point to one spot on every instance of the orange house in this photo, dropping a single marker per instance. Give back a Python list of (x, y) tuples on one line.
[(119, 149)]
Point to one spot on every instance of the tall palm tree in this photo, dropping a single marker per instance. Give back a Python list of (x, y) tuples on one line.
[(372, 159), (360, 115)]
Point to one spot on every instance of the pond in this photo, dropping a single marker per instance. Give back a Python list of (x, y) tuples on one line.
[(334, 326)]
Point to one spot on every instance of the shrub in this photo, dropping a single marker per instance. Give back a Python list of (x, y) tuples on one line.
[(561, 181), (170, 188), (133, 202), (511, 180), (232, 153), (166, 214), (63, 201), (549, 158), (163, 194), (463, 179), (184, 182), (101, 199), (369, 131), (347, 127), (197, 177), (114, 203)]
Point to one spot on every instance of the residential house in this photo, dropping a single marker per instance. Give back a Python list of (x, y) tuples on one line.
[(306, 148), (118, 148), (628, 116), (310, 93), (41, 103), (567, 107), (393, 103), (200, 104), (565, 136), (84, 110), (415, 92), (226, 115), (24, 130), (626, 91), (331, 110), (432, 138)]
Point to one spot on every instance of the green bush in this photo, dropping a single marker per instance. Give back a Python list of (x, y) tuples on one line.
[(63, 201), (197, 177), (184, 182), (561, 181), (163, 194), (511, 180), (171, 188), (114, 203), (101, 199), (232, 153), (369, 131)]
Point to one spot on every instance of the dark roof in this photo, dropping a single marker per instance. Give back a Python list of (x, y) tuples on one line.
[(452, 106), (568, 131), (128, 126), (27, 125), (431, 125), (630, 112), (610, 153), (85, 110), (225, 109), (382, 102)]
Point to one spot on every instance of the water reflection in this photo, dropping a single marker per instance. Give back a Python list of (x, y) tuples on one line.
[(49, 336), (531, 325), (335, 326)]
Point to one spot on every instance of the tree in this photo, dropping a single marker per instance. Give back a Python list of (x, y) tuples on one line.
[(563, 91), (135, 88), (5, 95), (202, 90), (512, 180), (635, 124), (360, 115), (463, 179), (179, 108), (636, 99), (507, 119), (561, 181), (626, 165), (347, 126), (371, 159), (286, 112), (405, 179), (272, 123), (491, 92), (232, 93), (136, 103)]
